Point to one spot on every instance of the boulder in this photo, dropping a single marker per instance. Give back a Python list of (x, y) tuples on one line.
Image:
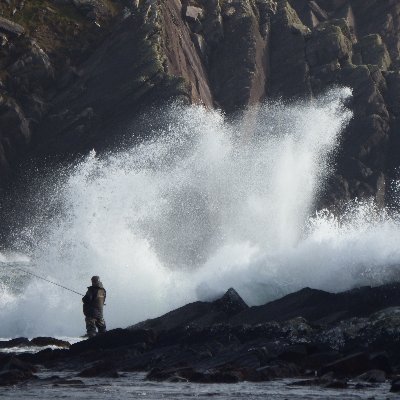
[(328, 44), (17, 342), (372, 376), (395, 387), (49, 341), (113, 339), (14, 376)]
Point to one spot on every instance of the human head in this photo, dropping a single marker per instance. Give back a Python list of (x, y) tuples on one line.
[(95, 279)]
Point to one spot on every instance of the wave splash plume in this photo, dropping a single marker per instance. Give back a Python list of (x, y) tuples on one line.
[(205, 205)]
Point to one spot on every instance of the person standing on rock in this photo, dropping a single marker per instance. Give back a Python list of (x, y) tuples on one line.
[(93, 303)]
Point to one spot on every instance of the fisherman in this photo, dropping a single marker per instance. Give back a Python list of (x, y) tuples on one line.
[(93, 303)]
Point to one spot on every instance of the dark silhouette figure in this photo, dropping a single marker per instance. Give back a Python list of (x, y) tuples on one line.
[(93, 303)]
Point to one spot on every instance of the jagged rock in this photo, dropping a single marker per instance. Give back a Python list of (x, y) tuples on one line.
[(237, 59), (372, 50), (328, 44), (288, 66), (231, 302), (10, 27), (223, 353), (199, 313), (322, 307)]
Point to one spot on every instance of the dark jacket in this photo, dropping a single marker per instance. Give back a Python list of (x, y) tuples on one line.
[(94, 300)]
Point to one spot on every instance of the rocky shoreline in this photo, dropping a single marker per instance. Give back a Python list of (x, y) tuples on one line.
[(318, 338)]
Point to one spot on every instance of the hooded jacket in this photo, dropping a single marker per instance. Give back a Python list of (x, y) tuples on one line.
[(93, 301)]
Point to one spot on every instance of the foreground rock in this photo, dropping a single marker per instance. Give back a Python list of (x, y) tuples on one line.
[(35, 342), (203, 342)]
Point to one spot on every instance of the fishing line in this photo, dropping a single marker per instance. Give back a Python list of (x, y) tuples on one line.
[(47, 280)]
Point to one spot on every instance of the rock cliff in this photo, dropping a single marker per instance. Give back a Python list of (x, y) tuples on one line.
[(74, 73)]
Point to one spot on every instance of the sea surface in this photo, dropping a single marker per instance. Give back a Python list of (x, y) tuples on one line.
[(134, 386)]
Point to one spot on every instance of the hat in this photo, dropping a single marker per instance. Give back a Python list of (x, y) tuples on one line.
[(95, 279)]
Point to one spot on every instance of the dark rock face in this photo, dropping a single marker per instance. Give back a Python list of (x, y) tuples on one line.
[(323, 307), (198, 313), (73, 76)]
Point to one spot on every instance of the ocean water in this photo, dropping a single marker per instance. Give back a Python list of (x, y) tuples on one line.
[(205, 205), (133, 386)]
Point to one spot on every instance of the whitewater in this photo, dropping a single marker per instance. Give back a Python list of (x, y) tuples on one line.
[(204, 205)]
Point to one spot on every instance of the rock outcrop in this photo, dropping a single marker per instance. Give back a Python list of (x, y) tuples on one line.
[(223, 342), (74, 73)]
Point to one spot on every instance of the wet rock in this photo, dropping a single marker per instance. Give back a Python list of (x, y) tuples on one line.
[(113, 339), (294, 353), (101, 369), (348, 366), (395, 387), (14, 376), (49, 341), (328, 381), (73, 382), (277, 370), (315, 361), (380, 361), (225, 353), (372, 376), (17, 342), (15, 371), (192, 375), (16, 364)]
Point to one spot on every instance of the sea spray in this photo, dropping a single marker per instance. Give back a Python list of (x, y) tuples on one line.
[(204, 205)]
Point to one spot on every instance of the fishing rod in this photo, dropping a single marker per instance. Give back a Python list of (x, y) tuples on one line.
[(47, 280)]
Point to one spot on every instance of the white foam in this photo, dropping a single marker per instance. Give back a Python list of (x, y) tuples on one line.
[(206, 205)]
